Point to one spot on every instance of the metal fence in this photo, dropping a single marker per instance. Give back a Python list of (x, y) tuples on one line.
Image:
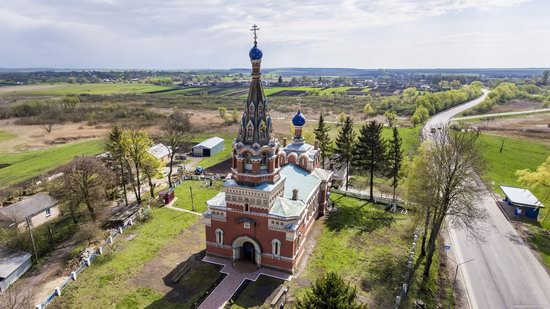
[(408, 273), (377, 199), (87, 262)]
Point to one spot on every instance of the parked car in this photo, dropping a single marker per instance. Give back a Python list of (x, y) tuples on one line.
[(199, 170)]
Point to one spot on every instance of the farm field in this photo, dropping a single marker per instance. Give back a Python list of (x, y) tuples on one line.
[(22, 166), (65, 89), (6, 136)]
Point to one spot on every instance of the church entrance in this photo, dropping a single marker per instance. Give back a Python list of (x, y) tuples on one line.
[(249, 252)]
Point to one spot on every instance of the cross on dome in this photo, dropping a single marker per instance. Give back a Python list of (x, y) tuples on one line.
[(254, 29)]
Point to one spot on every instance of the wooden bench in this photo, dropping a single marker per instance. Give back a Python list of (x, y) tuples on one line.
[(180, 273), (282, 291)]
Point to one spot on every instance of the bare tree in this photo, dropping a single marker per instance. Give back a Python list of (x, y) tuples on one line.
[(16, 297), (87, 179), (451, 165), (136, 144), (176, 134)]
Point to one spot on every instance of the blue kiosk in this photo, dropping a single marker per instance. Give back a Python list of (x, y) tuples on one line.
[(525, 204)]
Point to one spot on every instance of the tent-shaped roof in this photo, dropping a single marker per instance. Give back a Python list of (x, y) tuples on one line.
[(210, 143), (521, 197)]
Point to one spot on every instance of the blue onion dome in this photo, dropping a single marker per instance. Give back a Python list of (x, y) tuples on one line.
[(299, 120), (255, 53)]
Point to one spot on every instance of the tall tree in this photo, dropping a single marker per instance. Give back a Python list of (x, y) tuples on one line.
[(321, 135), (280, 80), (421, 114), (136, 144), (177, 132), (222, 110), (370, 152), (329, 291), (86, 179), (344, 150), (117, 155), (150, 166), (545, 77), (391, 118), (395, 161), (451, 163)]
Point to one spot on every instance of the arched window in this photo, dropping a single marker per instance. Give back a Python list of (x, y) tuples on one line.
[(249, 132), (247, 162), (260, 109), (246, 207), (219, 237), (251, 110), (263, 162), (276, 247)]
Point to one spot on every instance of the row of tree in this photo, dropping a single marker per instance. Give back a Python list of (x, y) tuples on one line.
[(368, 152)]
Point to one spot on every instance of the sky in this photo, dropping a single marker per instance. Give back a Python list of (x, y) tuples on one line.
[(215, 34)]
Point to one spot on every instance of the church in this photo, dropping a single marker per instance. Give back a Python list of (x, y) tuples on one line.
[(266, 210)]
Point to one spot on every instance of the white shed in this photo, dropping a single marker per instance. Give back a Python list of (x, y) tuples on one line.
[(209, 147), (13, 264)]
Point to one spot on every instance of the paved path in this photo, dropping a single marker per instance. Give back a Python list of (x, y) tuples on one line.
[(170, 205), (543, 110), (505, 273), (231, 283)]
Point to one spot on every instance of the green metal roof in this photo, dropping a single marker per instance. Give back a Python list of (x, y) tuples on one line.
[(285, 207), (298, 178)]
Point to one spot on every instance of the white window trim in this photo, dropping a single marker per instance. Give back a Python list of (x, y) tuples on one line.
[(276, 248), (219, 237)]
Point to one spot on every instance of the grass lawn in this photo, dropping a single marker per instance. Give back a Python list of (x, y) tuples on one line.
[(270, 91), (201, 193), (106, 283), (255, 294), (100, 88), (6, 136), (517, 154), (26, 165), (365, 245)]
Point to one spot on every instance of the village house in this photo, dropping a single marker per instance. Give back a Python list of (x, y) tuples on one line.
[(39, 208), (160, 152), (265, 212)]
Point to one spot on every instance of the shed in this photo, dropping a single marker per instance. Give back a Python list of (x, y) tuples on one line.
[(40, 208), (523, 200), (209, 147), (13, 264), (160, 151)]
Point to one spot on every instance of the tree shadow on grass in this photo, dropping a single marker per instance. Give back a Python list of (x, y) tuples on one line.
[(365, 217), (193, 287)]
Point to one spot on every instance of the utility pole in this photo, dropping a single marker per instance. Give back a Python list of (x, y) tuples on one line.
[(28, 219), (192, 203), (454, 283)]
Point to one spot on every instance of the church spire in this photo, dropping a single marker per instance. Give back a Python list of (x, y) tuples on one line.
[(256, 126)]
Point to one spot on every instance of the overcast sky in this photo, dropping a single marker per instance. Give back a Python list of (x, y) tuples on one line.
[(189, 34)]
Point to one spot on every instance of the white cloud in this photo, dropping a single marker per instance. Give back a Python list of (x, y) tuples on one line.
[(213, 33)]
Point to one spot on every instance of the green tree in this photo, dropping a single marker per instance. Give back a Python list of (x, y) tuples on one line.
[(235, 115), (545, 77), (150, 166), (280, 79), (341, 118), (395, 160), (117, 157), (538, 180), (177, 132), (330, 292), (370, 151), (321, 135), (222, 111), (368, 110), (420, 115), (391, 118), (344, 150), (136, 144)]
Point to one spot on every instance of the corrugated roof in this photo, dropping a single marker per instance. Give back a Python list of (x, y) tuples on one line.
[(159, 151), (10, 260), (28, 207), (522, 197), (210, 143)]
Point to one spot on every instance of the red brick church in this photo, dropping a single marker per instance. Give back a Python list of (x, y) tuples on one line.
[(265, 212)]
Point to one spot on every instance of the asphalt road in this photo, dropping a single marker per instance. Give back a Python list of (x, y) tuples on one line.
[(504, 272)]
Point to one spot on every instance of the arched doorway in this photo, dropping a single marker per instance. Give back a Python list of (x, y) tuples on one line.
[(247, 249), (248, 252)]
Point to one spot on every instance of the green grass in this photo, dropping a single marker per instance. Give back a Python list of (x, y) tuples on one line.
[(366, 246), (107, 284), (517, 154), (541, 240), (201, 194), (256, 293), (270, 91), (29, 164), (100, 88), (6, 136)]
